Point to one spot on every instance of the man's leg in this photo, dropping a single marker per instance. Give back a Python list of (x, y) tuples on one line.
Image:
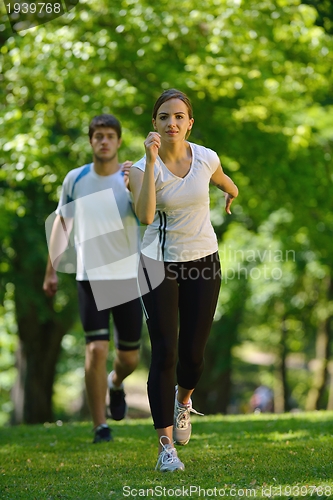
[(124, 364), (96, 379), (96, 326), (127, 320)]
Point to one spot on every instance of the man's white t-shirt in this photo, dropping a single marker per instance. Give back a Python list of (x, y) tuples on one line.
[(106, 232), (182, 230)]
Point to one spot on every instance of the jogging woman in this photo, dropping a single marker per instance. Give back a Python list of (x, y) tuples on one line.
[(170, 187)]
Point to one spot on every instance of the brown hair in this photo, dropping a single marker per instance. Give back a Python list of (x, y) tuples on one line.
[(104, 121), (172, 94)]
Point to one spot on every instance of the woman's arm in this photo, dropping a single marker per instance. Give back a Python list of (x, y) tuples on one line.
[(142, 187), (142, 184), (223, 182)]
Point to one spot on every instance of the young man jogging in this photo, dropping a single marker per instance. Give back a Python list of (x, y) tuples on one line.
[(96, 203)]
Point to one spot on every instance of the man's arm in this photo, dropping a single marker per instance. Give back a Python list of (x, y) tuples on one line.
[(58, 243)]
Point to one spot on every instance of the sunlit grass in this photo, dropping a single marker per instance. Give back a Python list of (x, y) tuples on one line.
[(232, 453)]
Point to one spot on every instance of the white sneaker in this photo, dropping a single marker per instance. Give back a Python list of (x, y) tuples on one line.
[(182, 427), (168, 460)]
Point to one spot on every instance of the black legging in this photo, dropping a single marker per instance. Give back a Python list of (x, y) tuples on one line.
[(190, 290)]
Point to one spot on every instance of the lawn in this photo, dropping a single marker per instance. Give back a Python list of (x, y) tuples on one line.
[(256, 456)]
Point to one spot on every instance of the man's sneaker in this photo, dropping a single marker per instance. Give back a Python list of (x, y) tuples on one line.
[(118, 406), (168, 460), (182, 427), (102, 433)]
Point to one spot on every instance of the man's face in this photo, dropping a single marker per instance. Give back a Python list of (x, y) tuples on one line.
[(105, 143)]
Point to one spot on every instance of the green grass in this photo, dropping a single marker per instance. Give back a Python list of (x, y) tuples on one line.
[(240, 456)]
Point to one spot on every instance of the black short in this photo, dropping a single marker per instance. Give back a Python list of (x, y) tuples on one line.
[(127, 319)]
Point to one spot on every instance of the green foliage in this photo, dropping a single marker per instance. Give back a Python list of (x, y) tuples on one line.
[(324, 13), (8, 345), (231, 453)]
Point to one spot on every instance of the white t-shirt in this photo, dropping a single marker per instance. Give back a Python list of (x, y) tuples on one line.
[(181, 230), (106, 231)]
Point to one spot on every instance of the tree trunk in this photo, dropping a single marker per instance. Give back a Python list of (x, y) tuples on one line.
[(323, 350), (40, 327), (281, 391), (321, 367), (223, 390), (212, 395), (330, 391), (36, 358)]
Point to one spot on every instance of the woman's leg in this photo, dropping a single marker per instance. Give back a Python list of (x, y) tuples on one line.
[(198, 295), (161, 309)]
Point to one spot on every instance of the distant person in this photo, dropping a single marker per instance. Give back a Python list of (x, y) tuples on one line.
[(262, 400), (95, 200), (170, 187)]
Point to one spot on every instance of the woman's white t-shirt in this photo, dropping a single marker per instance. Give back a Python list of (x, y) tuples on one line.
[(182, 230)]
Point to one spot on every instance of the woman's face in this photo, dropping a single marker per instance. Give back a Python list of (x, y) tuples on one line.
[(172, 121)]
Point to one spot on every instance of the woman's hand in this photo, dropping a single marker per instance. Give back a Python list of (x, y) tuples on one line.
[(152, 145), (228, 200)]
